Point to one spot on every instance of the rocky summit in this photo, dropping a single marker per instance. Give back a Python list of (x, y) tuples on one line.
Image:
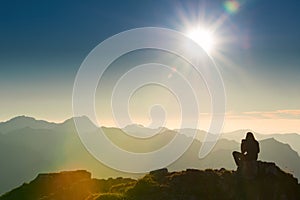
[(259, 180)]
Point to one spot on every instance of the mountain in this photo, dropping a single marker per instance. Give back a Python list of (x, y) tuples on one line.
[(69, 125), (23, 122), (189, 132), (282, 154), (27, 150), (141, 131), (267, 182), (293, 139)]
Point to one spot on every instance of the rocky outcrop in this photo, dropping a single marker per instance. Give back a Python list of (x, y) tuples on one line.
[(266, 181), (269, 183), (75, 185)]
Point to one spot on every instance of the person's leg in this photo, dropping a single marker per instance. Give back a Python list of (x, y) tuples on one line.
[(237, 157)]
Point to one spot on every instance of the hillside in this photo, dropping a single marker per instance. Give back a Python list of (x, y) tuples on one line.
[(269, 183)]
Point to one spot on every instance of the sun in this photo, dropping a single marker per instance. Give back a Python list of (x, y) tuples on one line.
[(204, 37)]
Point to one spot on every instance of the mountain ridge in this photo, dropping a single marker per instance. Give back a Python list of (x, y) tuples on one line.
[(70, 120)]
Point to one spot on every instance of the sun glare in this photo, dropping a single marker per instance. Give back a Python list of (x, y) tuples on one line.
[(203, 37)]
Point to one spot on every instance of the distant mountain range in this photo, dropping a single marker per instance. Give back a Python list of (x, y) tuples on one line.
[(293, 139), (29, 147)]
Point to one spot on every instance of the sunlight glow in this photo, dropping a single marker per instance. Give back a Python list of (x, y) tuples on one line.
[(204, 37)]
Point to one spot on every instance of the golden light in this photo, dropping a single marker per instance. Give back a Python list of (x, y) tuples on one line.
[(204, 37)]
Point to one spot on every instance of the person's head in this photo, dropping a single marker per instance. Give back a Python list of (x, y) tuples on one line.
[(250, 136)]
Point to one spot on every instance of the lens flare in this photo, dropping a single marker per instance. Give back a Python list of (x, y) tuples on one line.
[(231, 6)]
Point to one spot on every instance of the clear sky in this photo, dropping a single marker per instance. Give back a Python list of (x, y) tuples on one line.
[(43, 43)]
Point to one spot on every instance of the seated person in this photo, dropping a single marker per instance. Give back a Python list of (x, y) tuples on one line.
[(249, 148)]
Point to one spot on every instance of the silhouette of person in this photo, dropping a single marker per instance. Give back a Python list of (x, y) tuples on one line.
[(249, 148)]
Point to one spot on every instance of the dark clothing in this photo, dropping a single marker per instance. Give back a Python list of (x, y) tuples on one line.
[(250, 150), (238, 157)]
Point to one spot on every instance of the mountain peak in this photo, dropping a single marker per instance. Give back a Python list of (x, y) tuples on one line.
[(23, 121), (139, 130), (22, 117), (85, 124), (79, 118)]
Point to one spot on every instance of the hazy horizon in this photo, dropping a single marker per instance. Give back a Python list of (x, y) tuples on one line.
[(269, 131)]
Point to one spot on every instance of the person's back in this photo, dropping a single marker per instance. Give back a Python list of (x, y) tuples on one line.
[(252, 149), (249, 148)]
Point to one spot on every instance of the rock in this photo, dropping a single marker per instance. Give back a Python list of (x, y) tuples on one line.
[(263, 181), (62, 178), (268, 182), (248, 169), (159, 172), (75, 185)]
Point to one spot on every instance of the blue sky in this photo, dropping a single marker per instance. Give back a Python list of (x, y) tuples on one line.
[(43, 44)]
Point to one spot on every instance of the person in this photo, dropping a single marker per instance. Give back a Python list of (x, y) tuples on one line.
[(249, 148)]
